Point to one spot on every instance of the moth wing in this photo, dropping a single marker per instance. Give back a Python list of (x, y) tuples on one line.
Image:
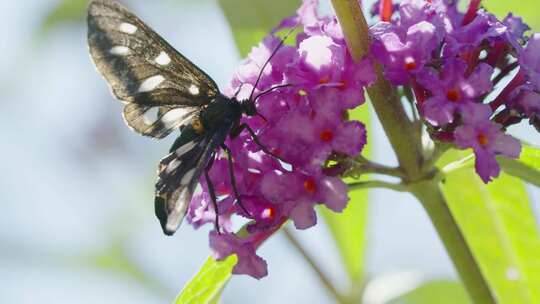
[(179, 173), (162, 89)]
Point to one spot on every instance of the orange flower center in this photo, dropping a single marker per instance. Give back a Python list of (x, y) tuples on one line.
[(276, 151), (482, 139), (326, 135), (324, 80), (452, 95), (410, 64), (268, 213), (309, 185)]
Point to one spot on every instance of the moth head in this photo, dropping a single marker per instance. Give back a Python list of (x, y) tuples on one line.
[(248, 107)]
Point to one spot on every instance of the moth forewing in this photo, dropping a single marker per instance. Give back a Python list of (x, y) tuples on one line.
[(144, 71)]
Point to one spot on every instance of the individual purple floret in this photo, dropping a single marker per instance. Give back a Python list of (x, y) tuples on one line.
[(467, 38), (516, 26), (403, 57), (529, 61), (452, 90), (248, 263), (486, 139)]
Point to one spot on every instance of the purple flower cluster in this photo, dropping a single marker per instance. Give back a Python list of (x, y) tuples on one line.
[(304, 124), (455, 63)]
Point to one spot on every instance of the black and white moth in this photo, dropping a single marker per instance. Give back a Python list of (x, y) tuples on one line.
[(164, 91)]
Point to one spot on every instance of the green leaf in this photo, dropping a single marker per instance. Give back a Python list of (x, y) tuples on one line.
[(251, 20), (208, 283), (528, 9), (527, 167), (499, 226), (65, 11), (440, 292), (349, 227), (113, 258), (349, 232)]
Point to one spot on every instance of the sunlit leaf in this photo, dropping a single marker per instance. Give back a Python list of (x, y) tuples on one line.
[(208, 283), (349, 227), (440, 292), (251, 20), (64, 11), (528, 9), (114, 259), (499, 226), (527, 167), (349, 232)]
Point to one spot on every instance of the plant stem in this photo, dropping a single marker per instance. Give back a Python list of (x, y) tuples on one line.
[(431, 197), (385, 100), (377, 184), (361, 165), (313, 265), (405, 141)]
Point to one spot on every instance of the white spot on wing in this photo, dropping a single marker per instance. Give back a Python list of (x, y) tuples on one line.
[(119, 50), (185, 148), (175, 116), (193, 90), (177, 215), (127, 28), (150, 116), (151, 83), (172, 165), (163, 59), (187, 177)]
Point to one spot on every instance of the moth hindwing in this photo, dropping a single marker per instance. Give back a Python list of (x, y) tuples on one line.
[(179, 172), (162, 89)]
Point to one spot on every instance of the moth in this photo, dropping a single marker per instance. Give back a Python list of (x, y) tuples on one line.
[(163, 91)]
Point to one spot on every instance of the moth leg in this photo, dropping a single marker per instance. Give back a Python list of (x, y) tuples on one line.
[(236, 130), (233, 178), (212, 192), (255, 138)]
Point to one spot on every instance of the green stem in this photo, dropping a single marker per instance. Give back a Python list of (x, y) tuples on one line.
[(377, 184), (361, 165), (313, 265), (431, 197), (421, 179), (383, 95)]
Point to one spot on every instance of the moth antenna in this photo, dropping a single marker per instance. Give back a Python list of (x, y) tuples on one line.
[(262, 116), (274, 52), (238, 90), (272, 89)]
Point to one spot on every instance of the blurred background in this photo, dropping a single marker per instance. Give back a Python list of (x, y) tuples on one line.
[(77, 222)]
